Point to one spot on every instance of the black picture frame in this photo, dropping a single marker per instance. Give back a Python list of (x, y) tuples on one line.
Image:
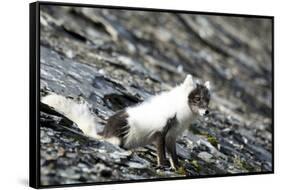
[(34, 91)]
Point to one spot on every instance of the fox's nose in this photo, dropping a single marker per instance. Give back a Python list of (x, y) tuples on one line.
[(206, 112)]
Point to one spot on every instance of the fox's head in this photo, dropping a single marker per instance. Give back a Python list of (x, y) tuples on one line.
[(199, 97)]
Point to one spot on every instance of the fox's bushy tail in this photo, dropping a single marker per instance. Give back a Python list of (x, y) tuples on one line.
[(78, 112)]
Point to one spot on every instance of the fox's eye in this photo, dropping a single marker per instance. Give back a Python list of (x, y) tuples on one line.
[(197, 98)]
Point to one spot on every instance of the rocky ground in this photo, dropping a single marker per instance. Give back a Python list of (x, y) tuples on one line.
[(113, 59)]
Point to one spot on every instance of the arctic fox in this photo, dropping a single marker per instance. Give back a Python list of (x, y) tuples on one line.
[(160, 119)]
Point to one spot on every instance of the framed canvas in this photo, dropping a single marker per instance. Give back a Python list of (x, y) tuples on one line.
[(121, 94)]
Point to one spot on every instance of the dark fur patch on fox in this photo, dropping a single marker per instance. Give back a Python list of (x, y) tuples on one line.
[(117, 126), (171, 122)]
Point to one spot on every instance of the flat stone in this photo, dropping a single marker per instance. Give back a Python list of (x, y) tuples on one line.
[(206, 156)]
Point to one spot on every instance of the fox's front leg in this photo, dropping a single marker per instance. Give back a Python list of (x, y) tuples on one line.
[(160, 141), (170, 141), (172, 151), (160, 147)]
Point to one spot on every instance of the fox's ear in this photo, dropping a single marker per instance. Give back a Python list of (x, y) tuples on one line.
[(188, 80), (207, 84)]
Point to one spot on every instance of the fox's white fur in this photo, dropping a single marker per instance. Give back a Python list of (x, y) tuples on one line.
[(151, 116), (143, 119)]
